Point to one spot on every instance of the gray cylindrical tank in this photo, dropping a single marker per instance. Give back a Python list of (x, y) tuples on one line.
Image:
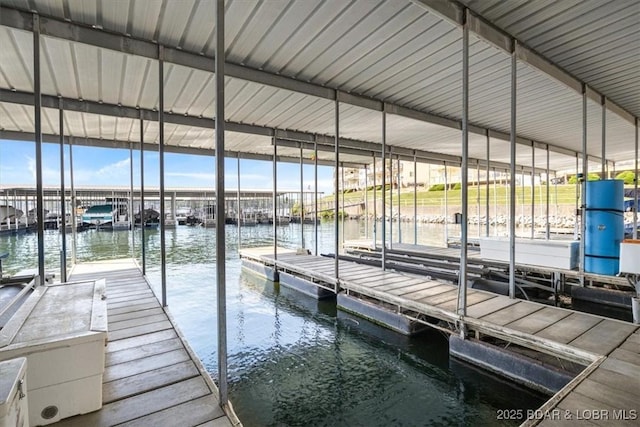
[(604, 226)]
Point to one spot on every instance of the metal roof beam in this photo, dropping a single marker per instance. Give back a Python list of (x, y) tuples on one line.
[(454, 12), (114, 143), (83, 34)]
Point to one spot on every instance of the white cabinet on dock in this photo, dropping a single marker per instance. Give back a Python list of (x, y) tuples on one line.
[(630, 256), (13, 399), (62, 331), (562, 254)]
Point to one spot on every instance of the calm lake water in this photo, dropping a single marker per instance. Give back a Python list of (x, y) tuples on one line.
[(293, 360)]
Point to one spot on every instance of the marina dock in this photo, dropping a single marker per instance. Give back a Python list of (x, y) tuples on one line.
[(152, 377), (608, 348)]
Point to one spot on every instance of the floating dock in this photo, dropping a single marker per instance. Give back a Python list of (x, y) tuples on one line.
[(606, 351), (152, 377)]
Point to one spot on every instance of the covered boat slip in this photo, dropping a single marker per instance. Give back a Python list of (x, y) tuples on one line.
[(609, 348), (152, 377), (416, 254)]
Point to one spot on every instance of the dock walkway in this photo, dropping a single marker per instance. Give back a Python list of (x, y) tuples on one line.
[(604, 345), (152, 377)]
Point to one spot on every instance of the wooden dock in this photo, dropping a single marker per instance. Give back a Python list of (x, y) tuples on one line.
[(474, 259), (152, 377), (610, 348)]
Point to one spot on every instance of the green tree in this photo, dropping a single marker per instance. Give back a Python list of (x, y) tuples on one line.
[(627, 176), (590, 177)]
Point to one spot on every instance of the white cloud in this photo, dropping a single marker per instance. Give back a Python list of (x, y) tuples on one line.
[(114, 169)]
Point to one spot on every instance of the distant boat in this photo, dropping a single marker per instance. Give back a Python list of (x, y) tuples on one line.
[(9, 213), (150, 219), (100, 216), (182, 214)]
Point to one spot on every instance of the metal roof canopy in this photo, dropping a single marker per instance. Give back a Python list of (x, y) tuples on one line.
[(394, 51)]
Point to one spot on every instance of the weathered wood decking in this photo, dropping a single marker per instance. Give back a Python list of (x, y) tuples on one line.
[(604, 344), (152, 377)]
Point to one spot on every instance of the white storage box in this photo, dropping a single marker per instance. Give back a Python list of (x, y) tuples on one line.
[(630, 257), (554, 254), (13, 398), (62, 331)]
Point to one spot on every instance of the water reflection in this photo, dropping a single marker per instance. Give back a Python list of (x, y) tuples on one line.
[(294, 360)]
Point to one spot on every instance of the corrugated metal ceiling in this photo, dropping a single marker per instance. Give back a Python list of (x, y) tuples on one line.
[(392, 51), (596, 41)]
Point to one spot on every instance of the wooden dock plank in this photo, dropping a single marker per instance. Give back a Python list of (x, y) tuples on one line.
[(538, 320), (569, 328), (429, 291), (132, 308), (387, 287), (511, 313), (626, 356), (604, 337), (382, 285), (121, 304), (140, 330), (134, 314), (607, 395), (140, 405), (149, 363), (142, 351), (440, 298), (473, 298), (621, 367), (133, 342), (575, 404), (409, 289), (616, 380), (149, 380), (195, 412), (111, 299), (489, 306), (138, 321)]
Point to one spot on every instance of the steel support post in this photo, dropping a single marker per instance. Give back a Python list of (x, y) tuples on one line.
[(399, 184), (343, 204), (415, 200), (464, 175), (336, 190), (315, 194), (375, 204), (548, 224), (220, 214), (604, 138), (446, 206), (635, 187), (487, 202), (238, 215), (585, 175), (366, 203), (142, 242), (301, 204), (73, 206), (275, 198), (478, 196), (533, 190), (512, 171), (37, 113), (130, 216), (163, 248), (63, 198), (390, 199), (384, 187), (576, 226)]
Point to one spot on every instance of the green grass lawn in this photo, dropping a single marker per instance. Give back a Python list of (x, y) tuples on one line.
[(561, 194)]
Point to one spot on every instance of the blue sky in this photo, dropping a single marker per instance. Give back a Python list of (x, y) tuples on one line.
[(110, 167)]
